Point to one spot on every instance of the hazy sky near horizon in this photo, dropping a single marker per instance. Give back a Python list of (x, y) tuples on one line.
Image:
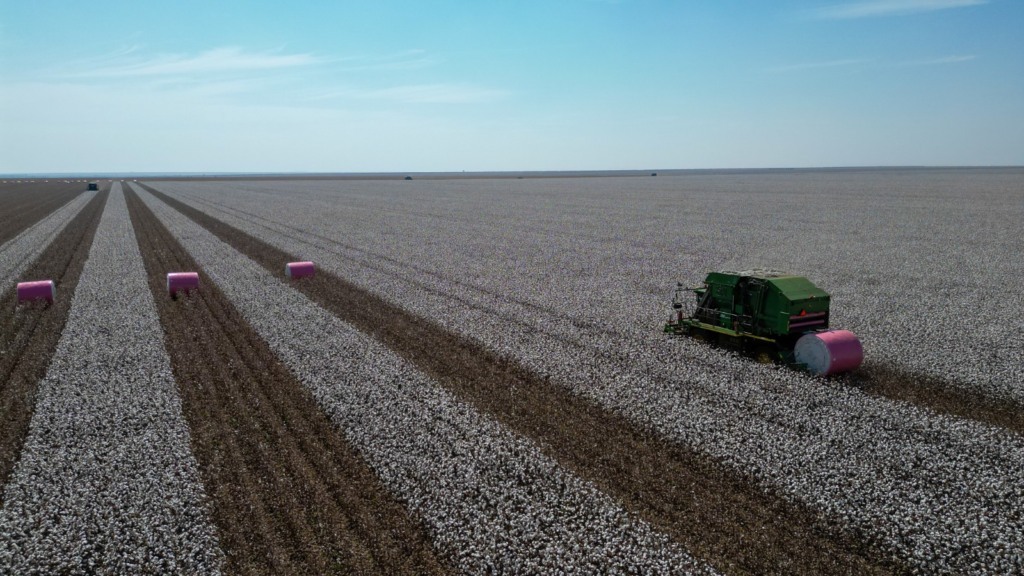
[(194, 86)]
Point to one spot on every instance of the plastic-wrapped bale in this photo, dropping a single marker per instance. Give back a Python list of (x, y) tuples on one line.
[(182, 282), (829, 352), (37, 290), (296, 270)]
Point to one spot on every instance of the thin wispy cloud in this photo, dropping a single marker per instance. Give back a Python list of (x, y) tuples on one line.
[(131, 62), (879, 8), (419, 94), (404, 60), (218, 60), (938, 61), (436, 94), (952, 59), (817, 65), (233, 73)]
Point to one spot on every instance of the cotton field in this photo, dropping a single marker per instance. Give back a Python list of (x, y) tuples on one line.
[(476, 378)]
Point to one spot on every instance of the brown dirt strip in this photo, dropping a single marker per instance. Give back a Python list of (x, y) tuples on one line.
[(717, 514), (22, 205), (29, 333), (938, 395), (290, 495)]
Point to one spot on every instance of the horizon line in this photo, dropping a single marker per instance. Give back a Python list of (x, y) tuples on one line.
[(117, 175)]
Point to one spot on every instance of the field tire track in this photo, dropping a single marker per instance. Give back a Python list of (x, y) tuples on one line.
[(718, 515), (29, 333), (937, 395), (288, 494)]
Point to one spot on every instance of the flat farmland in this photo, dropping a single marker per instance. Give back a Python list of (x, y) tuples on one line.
[(476, 381), (24, 203)]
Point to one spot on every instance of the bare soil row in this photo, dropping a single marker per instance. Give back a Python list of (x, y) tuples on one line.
[(717, 514), (289, 494), (29, 333), (22, 205), (937, 395)]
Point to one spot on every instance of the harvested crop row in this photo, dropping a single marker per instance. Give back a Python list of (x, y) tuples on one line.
[(22, 205), (288, 494), (870, 466), (19, 252), (491, 501), (937, 395), (106, 482), (714, 513), (29, 333)]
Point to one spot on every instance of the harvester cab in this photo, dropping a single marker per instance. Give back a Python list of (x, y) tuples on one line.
[(767, 314)]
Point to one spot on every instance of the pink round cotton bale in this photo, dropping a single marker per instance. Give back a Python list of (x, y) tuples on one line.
[(37, 290), (296, 270), (182, 281), (829, 352)]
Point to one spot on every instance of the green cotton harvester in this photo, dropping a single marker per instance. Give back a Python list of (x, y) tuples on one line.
[(767, 314)]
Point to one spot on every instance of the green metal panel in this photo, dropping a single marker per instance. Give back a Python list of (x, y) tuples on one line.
[(740, 294), (795, 288), (796, 295), (775, 313), (722, 286)]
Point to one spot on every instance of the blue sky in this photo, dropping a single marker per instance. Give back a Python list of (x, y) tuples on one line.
[(508, 85)]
